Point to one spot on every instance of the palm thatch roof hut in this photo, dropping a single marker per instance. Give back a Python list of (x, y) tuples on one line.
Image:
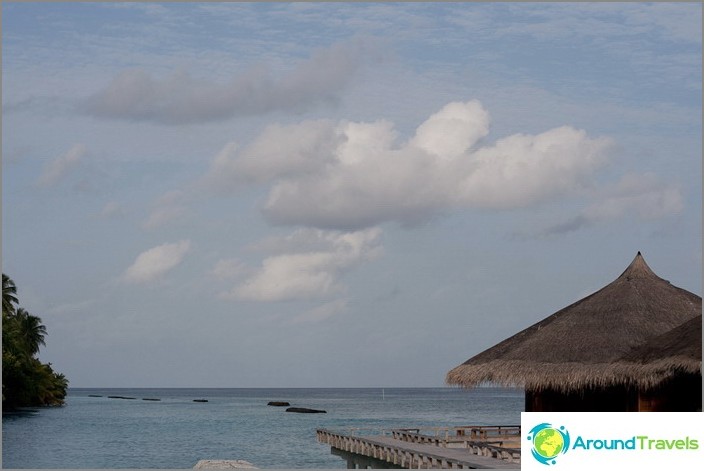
[(667, 369), (566, 361)]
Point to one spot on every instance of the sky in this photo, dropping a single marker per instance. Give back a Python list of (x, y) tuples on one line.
[(336, 194)]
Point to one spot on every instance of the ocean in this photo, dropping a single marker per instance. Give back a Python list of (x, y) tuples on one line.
[(175, 432)]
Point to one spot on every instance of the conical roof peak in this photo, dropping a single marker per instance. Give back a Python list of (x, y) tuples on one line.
[(569, 349), (638, 269)]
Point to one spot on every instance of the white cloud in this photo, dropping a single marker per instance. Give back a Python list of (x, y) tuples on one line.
[(226, 269), (181, 99), (155, 262), (640, 196), (278, 151), (309, 274), (168, 208), (349, 176), (453, 130), (57, 168), (522, 170), (364, 177)]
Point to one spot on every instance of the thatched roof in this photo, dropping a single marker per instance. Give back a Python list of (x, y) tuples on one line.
[(663, 357), (577, 346)]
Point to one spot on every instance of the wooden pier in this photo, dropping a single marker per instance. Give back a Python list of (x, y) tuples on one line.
[(472, 447)]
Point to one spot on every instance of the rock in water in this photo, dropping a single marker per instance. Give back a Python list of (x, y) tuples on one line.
[(278, 403), (303, 410)]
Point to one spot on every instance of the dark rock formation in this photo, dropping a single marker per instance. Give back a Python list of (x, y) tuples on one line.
[(303, 410), (278, 403)]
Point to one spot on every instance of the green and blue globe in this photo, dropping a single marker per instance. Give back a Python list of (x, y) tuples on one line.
[(548, 443)]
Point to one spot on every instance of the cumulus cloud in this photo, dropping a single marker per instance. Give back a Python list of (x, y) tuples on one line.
[(522, 170), (642, 196), (453, 130), (60, 166), (349, 175), (156, 262), (168, 208), (181, 99), (278, 151), (306, 272), (229, 268)]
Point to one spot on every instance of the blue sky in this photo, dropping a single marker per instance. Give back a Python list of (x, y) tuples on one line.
[(304, 195)]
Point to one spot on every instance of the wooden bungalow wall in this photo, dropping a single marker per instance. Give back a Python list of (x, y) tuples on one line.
[(683, 394), (680, 395)]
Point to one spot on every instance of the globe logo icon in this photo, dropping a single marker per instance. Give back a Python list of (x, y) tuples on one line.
[(548, 442)]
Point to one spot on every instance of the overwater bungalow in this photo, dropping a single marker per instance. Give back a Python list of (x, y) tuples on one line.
[(631, 346)]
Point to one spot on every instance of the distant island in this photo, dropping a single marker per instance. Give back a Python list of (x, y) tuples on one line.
[(25, 380)]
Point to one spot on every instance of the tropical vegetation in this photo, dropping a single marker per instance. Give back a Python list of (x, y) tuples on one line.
[(25, 380)]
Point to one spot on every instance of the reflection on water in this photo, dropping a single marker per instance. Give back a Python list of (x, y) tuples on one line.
[(21, 413)]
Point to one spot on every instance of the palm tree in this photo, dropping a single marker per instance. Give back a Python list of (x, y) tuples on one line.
[(9, 295), (31, 331), (25, 380), (56, 390)]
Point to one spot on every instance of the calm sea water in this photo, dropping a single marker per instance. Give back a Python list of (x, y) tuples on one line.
[(98, 432)]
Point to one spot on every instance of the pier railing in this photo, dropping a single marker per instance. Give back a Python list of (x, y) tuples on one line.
[(497, 441), (499, 444), (365, 431), (444, 436)]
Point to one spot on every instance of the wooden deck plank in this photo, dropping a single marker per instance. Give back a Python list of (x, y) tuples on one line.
[(456, 454), (427, 455)]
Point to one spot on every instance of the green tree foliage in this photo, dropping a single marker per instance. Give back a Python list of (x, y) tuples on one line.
[(25, 380), (9, 294)]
